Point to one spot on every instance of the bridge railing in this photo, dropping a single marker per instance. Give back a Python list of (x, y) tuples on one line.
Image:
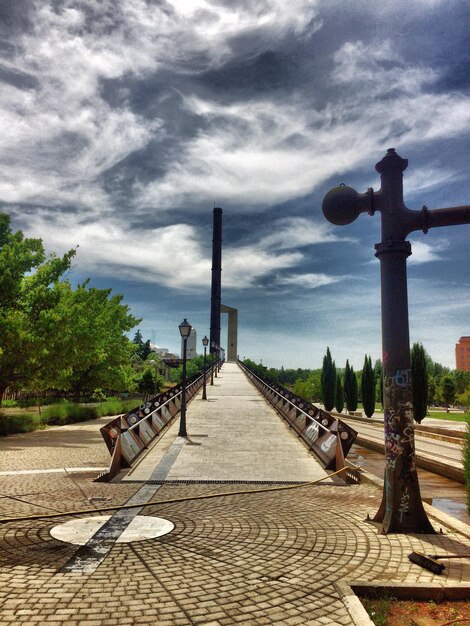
[(128, 435), (329, 438)]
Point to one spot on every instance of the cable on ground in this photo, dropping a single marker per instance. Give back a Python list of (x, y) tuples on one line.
[(171, 501)]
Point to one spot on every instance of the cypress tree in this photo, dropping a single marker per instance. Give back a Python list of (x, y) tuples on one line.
[(350, 388), (368, 387), (379, 381), (328, 380), (339, 394), (419, 378), (353, 390)]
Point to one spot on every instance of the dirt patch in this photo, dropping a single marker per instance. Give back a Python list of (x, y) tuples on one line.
[(392, 612)]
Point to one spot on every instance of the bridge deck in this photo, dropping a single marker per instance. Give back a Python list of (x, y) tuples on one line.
[(233, 436)]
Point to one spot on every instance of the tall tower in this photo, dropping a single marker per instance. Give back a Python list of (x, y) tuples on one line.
[(216, 279), (191, 345)]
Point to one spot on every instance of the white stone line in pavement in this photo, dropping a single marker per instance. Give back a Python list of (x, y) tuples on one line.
[(56, 470)]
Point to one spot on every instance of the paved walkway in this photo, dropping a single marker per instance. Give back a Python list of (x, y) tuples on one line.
[(273, 557), (233, 436)]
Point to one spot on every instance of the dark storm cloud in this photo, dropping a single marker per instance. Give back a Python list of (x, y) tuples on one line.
[(126, 122)]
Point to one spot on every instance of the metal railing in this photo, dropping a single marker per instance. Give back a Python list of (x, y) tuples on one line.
[(328, 437), (128, 435)]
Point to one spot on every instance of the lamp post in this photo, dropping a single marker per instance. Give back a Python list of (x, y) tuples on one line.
[(185, 330), (154, 364), (401, 509), (212, 364), (215, 348), (205, 343)]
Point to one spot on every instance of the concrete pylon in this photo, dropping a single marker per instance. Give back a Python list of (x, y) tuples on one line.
[(232, 349)]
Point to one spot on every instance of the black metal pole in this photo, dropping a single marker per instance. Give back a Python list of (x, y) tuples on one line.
[(204, 394), (212, 369), (182, 431), (216, 286), (401, 509)]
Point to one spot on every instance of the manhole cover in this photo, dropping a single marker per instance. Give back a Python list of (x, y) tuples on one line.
[(80, 531)]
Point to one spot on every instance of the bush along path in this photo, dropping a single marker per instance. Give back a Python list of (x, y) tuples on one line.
[(60, 414)]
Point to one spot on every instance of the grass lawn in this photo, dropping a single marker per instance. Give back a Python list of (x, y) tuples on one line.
[(454, 417)]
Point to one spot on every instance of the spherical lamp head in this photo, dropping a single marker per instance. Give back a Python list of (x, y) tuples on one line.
[(341, 205)]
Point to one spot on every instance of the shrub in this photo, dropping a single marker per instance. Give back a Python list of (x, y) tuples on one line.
[(9, 404), (113, 407), (64, 412), (19, 423), (68, 413)]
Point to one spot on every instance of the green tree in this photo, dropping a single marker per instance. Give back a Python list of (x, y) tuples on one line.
[(368, 387), (379, 381), (31, 324), (142, 348), (350, 387), (96, 342), (146, 350), (419, 377), (462, 381), (303, 389), (195, 365), (147, 384), (138, 340), (339, 394), (432, 389), (328, 380), (448, 389)]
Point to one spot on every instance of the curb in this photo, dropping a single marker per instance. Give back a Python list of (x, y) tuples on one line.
[(446, 520), (448, 470), (432, 432), (416, 591)]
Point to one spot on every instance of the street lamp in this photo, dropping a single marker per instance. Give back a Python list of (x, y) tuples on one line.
[(205, 343), (185, 330)]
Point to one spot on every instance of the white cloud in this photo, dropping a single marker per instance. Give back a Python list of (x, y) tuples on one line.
[(424, 252), (263, 151), (296, 232), (423, 178), (308, 281), (172, 256), (241, 267), (61, 135), (380, 67)]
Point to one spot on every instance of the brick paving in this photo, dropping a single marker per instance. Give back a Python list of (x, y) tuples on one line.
[(266, 558)]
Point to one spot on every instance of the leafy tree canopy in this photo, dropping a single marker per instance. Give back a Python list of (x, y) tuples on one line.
[(51, 335)]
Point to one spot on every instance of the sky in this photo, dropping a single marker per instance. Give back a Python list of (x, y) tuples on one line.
[(125, 122)]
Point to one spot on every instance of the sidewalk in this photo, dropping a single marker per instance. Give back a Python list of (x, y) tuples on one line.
[(272, 557), (234, 435)]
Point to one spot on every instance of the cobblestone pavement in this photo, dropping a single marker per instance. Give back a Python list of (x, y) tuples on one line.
[(263, 558), (74, 445)]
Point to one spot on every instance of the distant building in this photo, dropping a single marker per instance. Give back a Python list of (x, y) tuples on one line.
[(191, 351), (462, 354), (158, 350)]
